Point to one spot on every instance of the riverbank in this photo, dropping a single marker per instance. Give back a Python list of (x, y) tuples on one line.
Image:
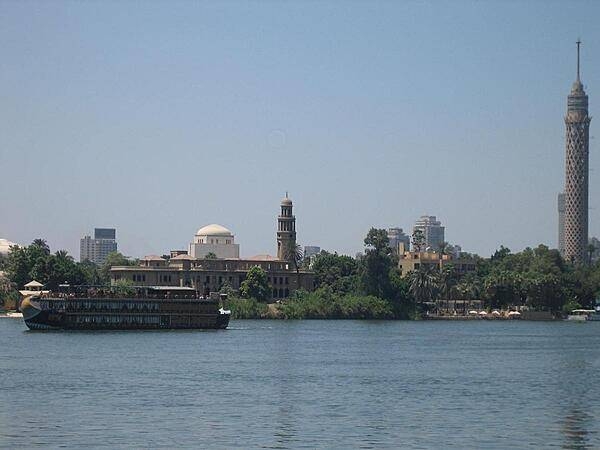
[(11, 314), (311, 306)]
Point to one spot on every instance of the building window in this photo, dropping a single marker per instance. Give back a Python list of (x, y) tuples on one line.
[(280, 280), (287, 281)]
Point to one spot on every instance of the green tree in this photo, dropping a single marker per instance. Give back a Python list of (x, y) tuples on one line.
[(113, 259), (338, 272), (18, 266), (42, 245), (443, 249), (544, 291), (91, 273), (423, 283), (38, 254), (293, 254), (591, 249), (402, 302), (447, 279), (61, 268), (375, 266), (503, 288), (501, 253), (227, 289), (24, 264), (124, 287), (570, 306), (469, 287), (418, 240), (255, 285), (210, 255)]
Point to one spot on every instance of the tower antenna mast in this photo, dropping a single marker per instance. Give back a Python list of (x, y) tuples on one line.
[(578, 44)]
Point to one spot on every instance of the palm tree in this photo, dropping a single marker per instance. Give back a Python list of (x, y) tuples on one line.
[(447, 280), (443, 249), (469, 288), (63, 255), (422, 284), (42, 244), (293, 254)]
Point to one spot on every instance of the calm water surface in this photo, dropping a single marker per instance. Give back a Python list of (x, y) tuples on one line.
[(304, 384)]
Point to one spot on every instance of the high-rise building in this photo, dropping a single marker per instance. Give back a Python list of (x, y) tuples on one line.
[(577, 124), (286, 230), (396, 237), (97, 249), (311, 250), (433, 231), (561, 223)]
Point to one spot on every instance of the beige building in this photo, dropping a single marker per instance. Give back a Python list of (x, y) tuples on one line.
[(210, 275), (411, 261)]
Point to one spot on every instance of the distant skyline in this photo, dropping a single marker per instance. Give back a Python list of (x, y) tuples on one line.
[(158, 118)]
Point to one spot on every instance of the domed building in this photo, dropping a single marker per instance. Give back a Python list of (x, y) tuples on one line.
[(5, 246), (210, 275), (214, 239)]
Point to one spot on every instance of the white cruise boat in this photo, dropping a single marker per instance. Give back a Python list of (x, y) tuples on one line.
[(583, 315)]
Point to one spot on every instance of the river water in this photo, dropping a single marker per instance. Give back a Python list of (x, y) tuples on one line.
[(304, 384)]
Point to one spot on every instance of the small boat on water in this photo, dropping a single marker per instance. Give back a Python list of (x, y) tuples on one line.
[(584, 315), (139, 308)]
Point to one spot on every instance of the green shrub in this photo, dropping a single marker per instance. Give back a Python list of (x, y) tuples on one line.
[(322, 304), (242, 308)]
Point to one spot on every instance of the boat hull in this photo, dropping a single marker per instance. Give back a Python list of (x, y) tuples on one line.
[(40, 315)]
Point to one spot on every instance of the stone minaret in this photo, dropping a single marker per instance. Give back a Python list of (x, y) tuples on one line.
[(286, 229), (577, 123)]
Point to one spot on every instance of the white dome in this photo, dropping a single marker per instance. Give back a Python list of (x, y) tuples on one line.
[(213, 230), (5, 246)]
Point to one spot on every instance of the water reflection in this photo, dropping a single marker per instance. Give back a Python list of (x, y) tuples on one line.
[(577, 376), (576, 428), (285, 371)]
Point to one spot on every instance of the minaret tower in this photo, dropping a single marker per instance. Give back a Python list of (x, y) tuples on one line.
[(286, 229), (577, 123)]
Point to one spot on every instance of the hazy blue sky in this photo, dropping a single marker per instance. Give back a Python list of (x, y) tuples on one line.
[(160, 117)]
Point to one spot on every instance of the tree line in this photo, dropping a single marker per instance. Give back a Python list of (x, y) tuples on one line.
[(366, 286), (37, 262), (538, 279)]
